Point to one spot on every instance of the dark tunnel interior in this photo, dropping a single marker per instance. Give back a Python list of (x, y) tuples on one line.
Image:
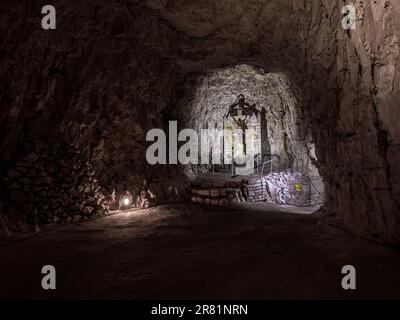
[(180, 141)]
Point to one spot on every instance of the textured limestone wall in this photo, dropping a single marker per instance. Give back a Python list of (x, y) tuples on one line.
[(205, 98), (356, 119), (289, 187), (106, 74), (50, 183), (208, 96)]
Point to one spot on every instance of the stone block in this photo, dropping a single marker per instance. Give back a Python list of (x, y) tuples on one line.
[(204, 192), (214, 193)]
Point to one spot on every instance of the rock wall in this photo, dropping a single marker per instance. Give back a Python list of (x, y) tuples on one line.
[(207, 98), (51, 183), (79, 85), (289, 187), (355, 121), (105, 76), (204, 98)]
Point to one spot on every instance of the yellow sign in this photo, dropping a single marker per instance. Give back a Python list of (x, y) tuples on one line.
[(298, 187)]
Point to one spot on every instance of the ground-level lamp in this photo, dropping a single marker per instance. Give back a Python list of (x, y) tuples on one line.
[(126, 201)]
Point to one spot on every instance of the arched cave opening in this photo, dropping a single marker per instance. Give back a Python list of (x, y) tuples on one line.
[(283, 146)]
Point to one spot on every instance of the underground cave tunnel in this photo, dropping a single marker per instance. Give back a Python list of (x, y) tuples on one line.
[(311, 107)]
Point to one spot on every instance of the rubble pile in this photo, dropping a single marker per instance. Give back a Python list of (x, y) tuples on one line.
[(50, 183)]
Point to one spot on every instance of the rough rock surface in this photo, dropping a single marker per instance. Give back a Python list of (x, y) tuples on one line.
[(115, 65), (205, 98), (208, 98), (289, 187), (49, 184)]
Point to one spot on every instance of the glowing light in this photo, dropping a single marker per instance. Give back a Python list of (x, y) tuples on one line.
[(126, 201)]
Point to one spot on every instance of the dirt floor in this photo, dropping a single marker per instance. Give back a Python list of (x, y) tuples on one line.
[(186, 252)]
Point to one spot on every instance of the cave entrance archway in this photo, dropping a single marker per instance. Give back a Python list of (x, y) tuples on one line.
[(283, 140)]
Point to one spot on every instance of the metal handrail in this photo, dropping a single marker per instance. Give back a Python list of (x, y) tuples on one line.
[(262, 169), (262, 173), (256, 167), (262, 165), (315, 188), (270, 160)]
